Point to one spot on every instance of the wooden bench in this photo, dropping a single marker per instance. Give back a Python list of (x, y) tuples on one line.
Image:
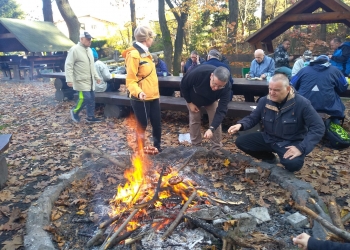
[(4, 145), (117, 101)]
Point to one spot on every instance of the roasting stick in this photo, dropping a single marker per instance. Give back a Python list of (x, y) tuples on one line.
[(179, 216), (186, 162), (107, 243)]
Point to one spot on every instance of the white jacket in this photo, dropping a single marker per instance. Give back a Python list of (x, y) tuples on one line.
[(103, 72)]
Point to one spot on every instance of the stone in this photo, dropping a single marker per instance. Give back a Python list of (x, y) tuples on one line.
[(297, 220), (260, 214), (246, 222), (3, 171), (252, 173), (210, 213)]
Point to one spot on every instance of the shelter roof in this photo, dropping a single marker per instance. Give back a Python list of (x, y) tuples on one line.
[(31, 36), (300, 13)]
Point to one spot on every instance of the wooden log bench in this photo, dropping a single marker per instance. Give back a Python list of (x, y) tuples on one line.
[(4, 144), (118, 105)]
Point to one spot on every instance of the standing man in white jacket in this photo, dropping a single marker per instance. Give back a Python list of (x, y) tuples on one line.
[(80, 74)]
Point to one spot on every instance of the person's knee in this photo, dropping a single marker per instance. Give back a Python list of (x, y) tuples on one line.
[(293, 165)]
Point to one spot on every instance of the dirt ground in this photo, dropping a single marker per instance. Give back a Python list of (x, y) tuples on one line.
[(46, 143)]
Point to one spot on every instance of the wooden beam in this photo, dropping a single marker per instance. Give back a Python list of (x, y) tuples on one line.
[(333, 5), (7, 35), (337, 17)]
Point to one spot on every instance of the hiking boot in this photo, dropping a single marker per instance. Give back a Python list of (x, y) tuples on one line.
[(75, 117), (93, 119)]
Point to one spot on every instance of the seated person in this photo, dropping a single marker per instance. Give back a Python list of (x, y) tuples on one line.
[(261, 66), (321, 83), (341, 55), (162, 68), (302, 62), (191, 62), (103, 72), (214, 58), (292, 126), (282, 58)]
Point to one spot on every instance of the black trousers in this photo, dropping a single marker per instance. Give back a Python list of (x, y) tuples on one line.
[(145, 110), (255, 145)]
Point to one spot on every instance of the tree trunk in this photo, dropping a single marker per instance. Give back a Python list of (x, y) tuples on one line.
[(263, 12), (181, 21), (133, 17), (323, 32), (70, 18), (232, 20), (47, 11), (168, 46)]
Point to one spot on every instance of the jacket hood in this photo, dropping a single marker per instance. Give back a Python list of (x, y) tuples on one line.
[(345, 44), (320, 66), (125, 52)]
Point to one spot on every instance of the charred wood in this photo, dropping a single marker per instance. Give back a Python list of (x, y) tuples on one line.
[(334, 213)]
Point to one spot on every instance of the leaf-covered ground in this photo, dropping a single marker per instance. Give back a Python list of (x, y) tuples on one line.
[(47, 143)]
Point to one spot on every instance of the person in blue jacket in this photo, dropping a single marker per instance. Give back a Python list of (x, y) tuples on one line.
[(162, 70), (321, 83), (191, 62), (341, 55), (292, 126), (306, 242), (214, 58)]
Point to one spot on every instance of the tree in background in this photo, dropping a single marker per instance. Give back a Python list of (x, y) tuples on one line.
[(47, 11), (166, 37), (70, 18), (10, 9)]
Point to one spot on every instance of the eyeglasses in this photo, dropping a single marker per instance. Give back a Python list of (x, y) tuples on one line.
[(215, 84)]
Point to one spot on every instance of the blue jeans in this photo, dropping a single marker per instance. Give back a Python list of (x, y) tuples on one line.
[(86, 98)]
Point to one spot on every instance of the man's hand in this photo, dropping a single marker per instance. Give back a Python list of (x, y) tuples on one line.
[(263, 76), (193, 107), (98, 81), (70, 84), (301, 240), (330, 56), (208, 134), (292, 152), (233, 129), (142, 96), (290, 58)]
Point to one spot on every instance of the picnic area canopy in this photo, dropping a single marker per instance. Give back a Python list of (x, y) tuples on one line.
[(300, 13), (31, 36)]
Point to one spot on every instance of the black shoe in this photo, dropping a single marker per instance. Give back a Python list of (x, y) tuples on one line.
[(93, 119), (75, 117), (274, 160)]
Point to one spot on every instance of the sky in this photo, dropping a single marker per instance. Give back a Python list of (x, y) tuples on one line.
[(146, 10)]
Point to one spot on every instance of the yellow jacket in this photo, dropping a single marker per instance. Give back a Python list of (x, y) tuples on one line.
[(141, 73)]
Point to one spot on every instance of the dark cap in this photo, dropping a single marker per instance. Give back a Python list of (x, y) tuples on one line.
[(85, 34)]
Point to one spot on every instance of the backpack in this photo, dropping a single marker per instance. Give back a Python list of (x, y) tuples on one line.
[(337, 135)]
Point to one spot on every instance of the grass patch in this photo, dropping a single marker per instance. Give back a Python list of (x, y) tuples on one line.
[(4, 126)]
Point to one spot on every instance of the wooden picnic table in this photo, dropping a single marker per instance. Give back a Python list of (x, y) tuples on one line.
[(241, 86)]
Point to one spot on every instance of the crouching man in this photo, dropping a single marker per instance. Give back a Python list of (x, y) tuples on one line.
[(292, 127)]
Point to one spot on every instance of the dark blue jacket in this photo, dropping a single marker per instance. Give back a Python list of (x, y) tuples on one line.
[(195, 88), (314, 244), (321, 84), (217, 63), (341, 58), (189, 63), (161, 67), (297, 121)]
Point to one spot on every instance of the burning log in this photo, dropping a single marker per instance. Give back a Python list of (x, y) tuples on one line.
[(133, 240), (334, 213), (104, 155), (179, 216), (98, 236), (337, 231), (229, 238), (111, 239)]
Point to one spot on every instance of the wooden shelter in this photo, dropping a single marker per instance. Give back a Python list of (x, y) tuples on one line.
[(31, 36), (300, 13)]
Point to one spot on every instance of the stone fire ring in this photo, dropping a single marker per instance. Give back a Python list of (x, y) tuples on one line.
[(39, 212)]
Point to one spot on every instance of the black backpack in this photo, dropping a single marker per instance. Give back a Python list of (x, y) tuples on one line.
[(337, 135)]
